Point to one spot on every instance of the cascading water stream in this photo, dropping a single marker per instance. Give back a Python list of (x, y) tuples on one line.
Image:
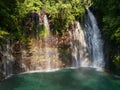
[(7, 60), (86, 43), (78, 45), (95, 39)]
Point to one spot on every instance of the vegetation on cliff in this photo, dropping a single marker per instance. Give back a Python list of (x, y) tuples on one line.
[(60, 12)]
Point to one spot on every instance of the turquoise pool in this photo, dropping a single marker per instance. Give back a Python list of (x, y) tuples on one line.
[(65, 79)]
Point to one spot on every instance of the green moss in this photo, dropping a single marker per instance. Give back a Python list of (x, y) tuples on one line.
[(42, 31), (3, 33)]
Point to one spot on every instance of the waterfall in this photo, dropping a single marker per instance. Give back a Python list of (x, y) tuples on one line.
[(86, 44), (95, 39), (78, 45), (47, 36)]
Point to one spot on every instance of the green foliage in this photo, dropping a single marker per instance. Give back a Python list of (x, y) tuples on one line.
[(116, 61), (110, 19), (112, 29), (3, 33), (42, 31), (25, 40), (12, 14), (25, 6), (60, 12), (63, 12)]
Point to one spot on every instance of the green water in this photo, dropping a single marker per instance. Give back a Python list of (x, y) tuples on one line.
[(67, 79)]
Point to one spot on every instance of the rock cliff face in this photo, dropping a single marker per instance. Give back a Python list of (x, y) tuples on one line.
[(41, 50), (42, 54)]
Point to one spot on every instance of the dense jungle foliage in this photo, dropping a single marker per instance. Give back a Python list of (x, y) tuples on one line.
[(61, 12)]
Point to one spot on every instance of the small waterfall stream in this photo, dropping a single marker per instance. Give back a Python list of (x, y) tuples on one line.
[(7, 59), (46, 36)]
